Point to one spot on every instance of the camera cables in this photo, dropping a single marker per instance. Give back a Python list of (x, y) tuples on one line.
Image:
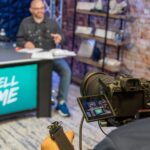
[(80, 131)]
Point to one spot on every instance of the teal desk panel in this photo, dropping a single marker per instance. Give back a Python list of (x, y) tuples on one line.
[(18, 88)]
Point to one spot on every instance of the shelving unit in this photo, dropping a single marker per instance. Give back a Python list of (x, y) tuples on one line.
[(105, 41), (100, 14), (99, 39)]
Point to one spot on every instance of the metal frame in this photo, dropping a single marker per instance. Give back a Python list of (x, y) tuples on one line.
[(51, 10)]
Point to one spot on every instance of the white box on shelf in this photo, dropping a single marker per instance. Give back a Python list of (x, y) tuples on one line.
[(86, 48), (101, 33), (83, 30), (85, 5), (111, 64)]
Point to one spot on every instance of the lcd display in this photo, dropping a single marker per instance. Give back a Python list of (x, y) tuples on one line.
[(95, 107)]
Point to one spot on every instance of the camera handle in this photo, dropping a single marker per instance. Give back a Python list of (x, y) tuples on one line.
[(57, 134)]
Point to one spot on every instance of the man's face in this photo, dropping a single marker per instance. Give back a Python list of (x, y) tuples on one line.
[(37, 9)]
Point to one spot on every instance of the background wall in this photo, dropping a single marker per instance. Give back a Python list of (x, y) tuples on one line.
[(136, 61), (11, 14)]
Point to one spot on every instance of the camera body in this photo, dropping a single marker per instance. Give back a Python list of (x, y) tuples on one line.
[(126, 95)]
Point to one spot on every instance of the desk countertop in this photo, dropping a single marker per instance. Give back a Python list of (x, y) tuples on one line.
[(9, 55)]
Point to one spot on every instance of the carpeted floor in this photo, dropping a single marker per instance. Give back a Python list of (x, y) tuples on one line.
[(27, 132)]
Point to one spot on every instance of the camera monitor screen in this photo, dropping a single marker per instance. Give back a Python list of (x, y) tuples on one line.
[(95, 108)]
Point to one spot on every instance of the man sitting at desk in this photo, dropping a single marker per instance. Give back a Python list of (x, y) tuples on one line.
[(38, 31)]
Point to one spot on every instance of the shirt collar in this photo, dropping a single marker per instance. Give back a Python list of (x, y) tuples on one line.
[(44, 21)]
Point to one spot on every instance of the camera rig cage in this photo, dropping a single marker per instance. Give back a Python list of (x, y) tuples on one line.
[(127, 96)]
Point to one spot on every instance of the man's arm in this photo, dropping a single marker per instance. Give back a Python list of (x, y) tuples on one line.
[(21, 37), (57, 35)]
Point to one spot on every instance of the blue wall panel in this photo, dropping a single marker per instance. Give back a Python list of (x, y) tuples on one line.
[(11, 14)]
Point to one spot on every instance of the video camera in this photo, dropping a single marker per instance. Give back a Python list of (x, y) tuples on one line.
[(118, 99)]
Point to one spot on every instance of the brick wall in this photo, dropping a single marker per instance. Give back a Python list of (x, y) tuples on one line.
[(136, 61)]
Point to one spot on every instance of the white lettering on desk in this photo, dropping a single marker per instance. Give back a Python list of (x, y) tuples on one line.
[(10, 92)]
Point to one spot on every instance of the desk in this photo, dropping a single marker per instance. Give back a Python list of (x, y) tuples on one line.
[(10, 59)]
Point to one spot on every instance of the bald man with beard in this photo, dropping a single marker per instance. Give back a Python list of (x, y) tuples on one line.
[(38, 31)]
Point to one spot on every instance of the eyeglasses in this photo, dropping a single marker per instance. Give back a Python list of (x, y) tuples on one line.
[(40, 8)]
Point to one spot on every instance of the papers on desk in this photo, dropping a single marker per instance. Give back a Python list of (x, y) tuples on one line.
[(33, 50), (53, 54)]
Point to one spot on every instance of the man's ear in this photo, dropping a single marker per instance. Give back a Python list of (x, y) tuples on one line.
[(30, 10)]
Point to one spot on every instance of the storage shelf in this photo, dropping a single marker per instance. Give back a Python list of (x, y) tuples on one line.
[(100, 14), (99, 39), (89, 61), (106, 67)]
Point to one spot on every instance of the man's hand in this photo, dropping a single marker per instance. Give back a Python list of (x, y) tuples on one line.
[(57, 38), (29, 45)]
